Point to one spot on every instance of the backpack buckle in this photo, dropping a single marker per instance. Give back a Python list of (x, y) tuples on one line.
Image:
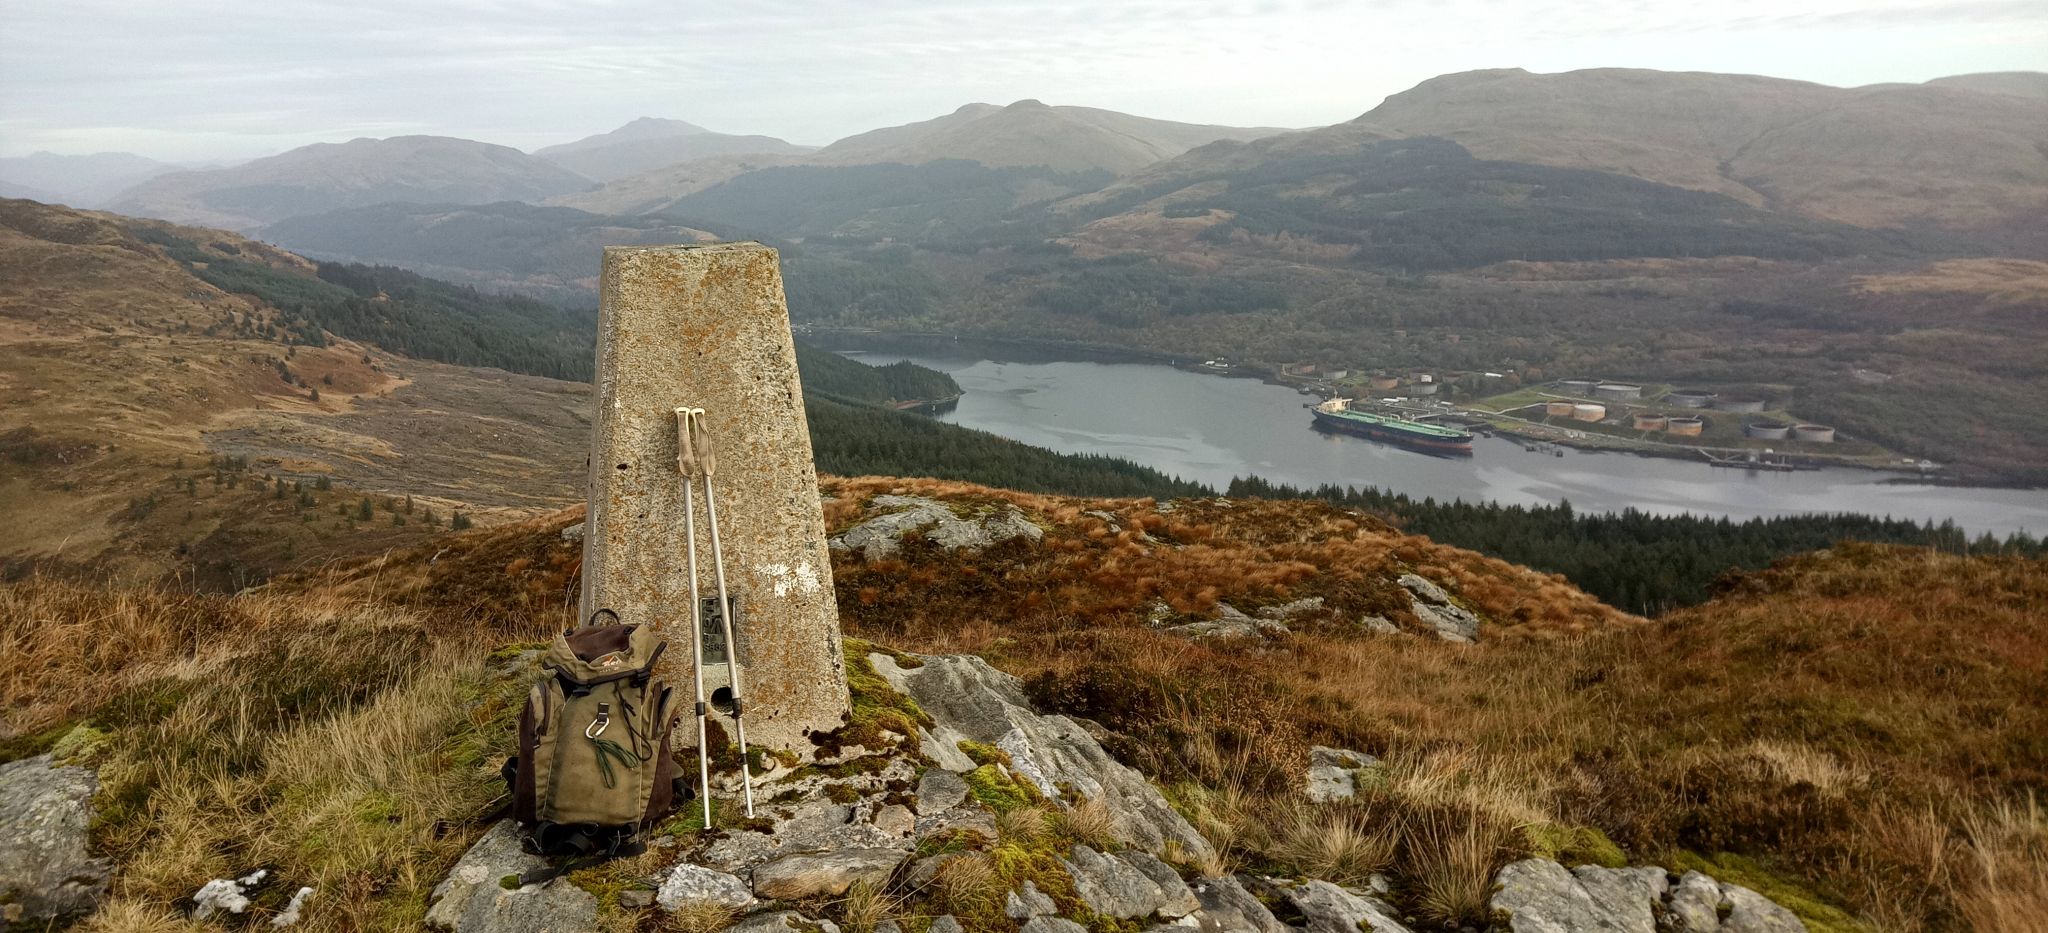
[(601, 723)]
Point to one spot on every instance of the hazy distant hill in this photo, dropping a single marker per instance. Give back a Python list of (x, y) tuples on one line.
[(329, 176), (80, 180), (650, 143), (2030, 84), (1026, 133), (1876, 156), (659, 189)]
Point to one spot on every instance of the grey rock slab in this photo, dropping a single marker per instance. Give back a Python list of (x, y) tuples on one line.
[(1330, 773), (1229, 628), (1379, 625), (1111, 886), (471, 899), (1422, 587), (781, 921), (946, 924), (1328, 908), (1232, 909), (1450, 623), (895, 819), (1176, 899), (940, 789), (888, 926), (1750, 912), (1694, 905), (1299, 607), (1028, 902), (1539, 896), (1046, 925), (636, 898), (968, 699), (892, 517), (694, 884), (824, 874), (45, 817), (1628, 896), (966, 820), (922, 872), (1340, 757)]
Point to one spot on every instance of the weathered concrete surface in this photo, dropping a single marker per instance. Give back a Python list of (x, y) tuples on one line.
[(707, 327)]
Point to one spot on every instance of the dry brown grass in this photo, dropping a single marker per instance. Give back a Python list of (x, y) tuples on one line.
[(1089, 821), (328, 739), (699, 917)]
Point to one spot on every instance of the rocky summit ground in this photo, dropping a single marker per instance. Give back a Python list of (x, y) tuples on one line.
[(1117, 716)]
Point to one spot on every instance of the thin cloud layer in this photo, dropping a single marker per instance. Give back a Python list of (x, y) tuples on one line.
[(211, 79)]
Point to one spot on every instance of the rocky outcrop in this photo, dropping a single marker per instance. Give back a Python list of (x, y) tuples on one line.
[(1540, 896), (1327, 908), (475, 897), (969, 700), (1230, 622), (688, 884), (1332, 773), (825, 874), (1434, 608), (891, 517), (46, 873)]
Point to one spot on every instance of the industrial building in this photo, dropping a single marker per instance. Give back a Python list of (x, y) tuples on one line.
[(1385, 382), (1617, 391), (1739, 404), (1684, 427), (1646, 421), (1813, 433), (1582, 388), (1557, 408), (1689, 398), (1587, 411)]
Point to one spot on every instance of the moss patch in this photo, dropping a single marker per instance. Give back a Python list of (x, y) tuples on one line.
[(1573, 845), (997, 790), (1729, 868), (875, 708)]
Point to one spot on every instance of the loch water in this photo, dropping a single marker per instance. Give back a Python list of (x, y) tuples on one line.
[(1209, 429)]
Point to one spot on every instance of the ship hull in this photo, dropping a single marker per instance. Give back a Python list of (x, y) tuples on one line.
[(1390, 434)]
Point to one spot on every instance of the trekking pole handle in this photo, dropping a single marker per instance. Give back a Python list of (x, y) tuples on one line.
[(701, 444), (687, 433)]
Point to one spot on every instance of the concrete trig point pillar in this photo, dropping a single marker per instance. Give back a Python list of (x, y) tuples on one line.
[(707, 327)]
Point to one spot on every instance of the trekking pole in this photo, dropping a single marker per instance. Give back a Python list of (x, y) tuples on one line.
[(708, 455), (686, 461)]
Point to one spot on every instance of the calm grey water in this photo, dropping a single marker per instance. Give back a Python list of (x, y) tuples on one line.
[(1209, 429)]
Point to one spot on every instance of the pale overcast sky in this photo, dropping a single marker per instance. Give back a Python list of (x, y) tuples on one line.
[(221, 79)]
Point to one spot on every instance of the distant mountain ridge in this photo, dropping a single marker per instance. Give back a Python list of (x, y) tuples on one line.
[(1883, 155), (1030, 133), (650, 143), (358, 173)]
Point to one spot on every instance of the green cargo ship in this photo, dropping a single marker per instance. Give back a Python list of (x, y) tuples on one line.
[(1337, 415)]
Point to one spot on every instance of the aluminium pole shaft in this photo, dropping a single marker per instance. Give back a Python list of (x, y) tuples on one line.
[(686, 461), (725, 614)]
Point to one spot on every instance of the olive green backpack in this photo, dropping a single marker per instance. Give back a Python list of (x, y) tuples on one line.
[(594, 766)]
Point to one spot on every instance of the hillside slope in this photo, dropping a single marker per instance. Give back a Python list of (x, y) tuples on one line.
[(79, 180), (357, 173), (1879, 156), (648, 143), (1792, 735)]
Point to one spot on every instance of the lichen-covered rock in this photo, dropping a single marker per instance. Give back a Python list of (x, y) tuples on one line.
[(473, 898), (1176, 900), (1295, 609), (892, 517), (694, 884), (1540, 896), (1628, 896), (810, 826), (1048, 925), (1028, 902), (45, 814), (968, 699), (1111, 886), (940, 789), (1229, 908), (1750, 912), (946, 924), (1330, 773), (824, 874), (1241, 627), (1451, 623), (1327, 908), (784, 921), (1424, 588), (1694, 905)]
